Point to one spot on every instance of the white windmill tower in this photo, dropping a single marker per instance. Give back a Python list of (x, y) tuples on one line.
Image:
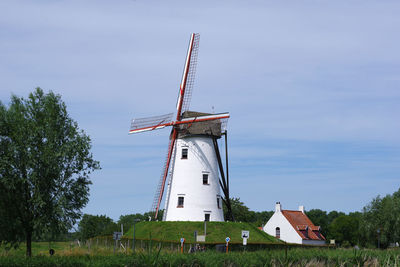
[(196, 173)]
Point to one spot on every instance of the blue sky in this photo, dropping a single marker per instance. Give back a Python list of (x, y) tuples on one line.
[(313, 88)]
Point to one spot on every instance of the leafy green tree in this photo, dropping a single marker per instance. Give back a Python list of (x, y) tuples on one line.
[(323, 219), (95, 225), (381, 214), (345, 228), (151, 214), (319, 218), (333, 215), (241, 212), (45, 163), (262, 217), (128, 220)]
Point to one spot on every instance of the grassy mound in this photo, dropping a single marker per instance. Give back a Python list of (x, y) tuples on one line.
[(216, 232)]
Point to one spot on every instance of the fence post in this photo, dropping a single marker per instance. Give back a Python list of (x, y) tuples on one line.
[(286, 252), (150, 247)]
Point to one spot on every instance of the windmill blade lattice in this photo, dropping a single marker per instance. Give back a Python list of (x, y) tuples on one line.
[(189, 71), (150, 123), (161, 184), (191, 74)]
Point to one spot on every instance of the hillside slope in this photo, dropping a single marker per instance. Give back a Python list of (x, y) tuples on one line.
[(216, 232)]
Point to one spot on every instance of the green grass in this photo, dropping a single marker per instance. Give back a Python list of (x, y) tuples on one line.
[(216, 232), (38, 248), (294, 257)]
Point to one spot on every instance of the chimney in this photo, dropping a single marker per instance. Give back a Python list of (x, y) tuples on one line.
[(278, 207), (301, 208)]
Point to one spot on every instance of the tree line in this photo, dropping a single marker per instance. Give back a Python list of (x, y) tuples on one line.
[(378, 224), (378, 220)]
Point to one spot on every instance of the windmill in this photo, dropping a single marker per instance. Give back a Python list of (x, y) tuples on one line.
[(193, 158)]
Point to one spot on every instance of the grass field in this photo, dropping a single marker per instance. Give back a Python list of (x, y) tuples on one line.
[(293, 257), (216, 232), (100, 251)]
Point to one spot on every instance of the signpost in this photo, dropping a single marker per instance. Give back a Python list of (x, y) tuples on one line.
[(245, 236), (116, 236), (182, 242), (201, 238), (227, 243)]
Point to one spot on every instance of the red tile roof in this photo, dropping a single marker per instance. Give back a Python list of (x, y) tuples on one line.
[(303, 225)]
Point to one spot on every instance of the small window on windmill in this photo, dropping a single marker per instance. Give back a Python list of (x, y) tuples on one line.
[(205, 178), (180, 202), (184, 153), (218, 202)]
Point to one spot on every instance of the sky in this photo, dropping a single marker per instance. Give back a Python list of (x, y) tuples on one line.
[(312, 87)]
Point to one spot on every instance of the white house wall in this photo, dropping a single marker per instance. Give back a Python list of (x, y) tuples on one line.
[(287, 233), (187, 181)]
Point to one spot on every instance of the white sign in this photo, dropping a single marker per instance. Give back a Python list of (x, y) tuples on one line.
[(245, 234), (182, 240), (227, 239), (117, 235), (201, 238)]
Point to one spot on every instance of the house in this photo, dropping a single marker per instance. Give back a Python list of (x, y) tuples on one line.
[(293, 226)]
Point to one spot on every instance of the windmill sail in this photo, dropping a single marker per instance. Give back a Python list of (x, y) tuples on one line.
[(189, 127), (189, 72), (150, 123), (161, 184)]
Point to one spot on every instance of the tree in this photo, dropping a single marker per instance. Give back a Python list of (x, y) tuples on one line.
[(381, 214), (333, 215), (128, 220), (344, 228), (95, 225), (45, 163), (241, 213), (262, 217), (319, 218)]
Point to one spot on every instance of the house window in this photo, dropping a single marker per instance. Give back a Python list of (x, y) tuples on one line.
[(184, 153), (277, 232), (180, 202), (207, 217), (205, 178), (218, 202)]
